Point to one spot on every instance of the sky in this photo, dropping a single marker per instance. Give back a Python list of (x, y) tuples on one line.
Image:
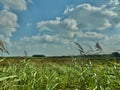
[(51, 27)]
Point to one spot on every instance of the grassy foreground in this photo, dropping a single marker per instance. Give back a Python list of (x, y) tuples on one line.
[(30, 75)]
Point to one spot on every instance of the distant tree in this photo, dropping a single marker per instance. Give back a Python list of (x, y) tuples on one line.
[(3, 49), (116, 54), (38, 55)]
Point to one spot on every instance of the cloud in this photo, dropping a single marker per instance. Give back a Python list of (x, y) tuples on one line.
[(84, 18), (67, 24), (91, 36), (8, 19), (86, 23), (118, 25), (7, 40), (91, 17), (14, 4), (61, 27), (41, 44), (45, 39), (114, 2), (8, 23)]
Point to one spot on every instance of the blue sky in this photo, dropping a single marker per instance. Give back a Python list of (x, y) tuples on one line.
[(51, 27)]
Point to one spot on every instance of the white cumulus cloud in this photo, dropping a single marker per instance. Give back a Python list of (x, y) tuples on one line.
[(91, 17), (14, 4), (8, 23), (63, 28), (8, 19), (58, 24), (86, 23)]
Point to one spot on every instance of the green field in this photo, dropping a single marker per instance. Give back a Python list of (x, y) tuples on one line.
[(59, 74)]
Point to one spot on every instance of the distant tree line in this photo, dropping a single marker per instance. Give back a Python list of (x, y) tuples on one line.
[(116, 54), (37, 55)]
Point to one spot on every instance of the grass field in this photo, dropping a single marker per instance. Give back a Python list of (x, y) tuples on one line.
[(59, 74)]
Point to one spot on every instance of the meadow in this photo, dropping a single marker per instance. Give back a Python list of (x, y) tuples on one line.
[(67, 73)]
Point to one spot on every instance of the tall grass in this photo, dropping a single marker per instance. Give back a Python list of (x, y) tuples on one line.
[(3, 49), (53, 76), (98, 49)]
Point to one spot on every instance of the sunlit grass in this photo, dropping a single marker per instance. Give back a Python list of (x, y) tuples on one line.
[(54, 76)]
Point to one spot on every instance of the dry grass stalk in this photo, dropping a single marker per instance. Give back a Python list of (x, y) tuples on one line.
[(2, 48), (98, 48), (81, 50), (25, 52), (90, 50)]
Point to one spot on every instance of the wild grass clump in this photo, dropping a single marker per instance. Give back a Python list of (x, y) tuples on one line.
[(3, 49), (52, 76), (97, 49)]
